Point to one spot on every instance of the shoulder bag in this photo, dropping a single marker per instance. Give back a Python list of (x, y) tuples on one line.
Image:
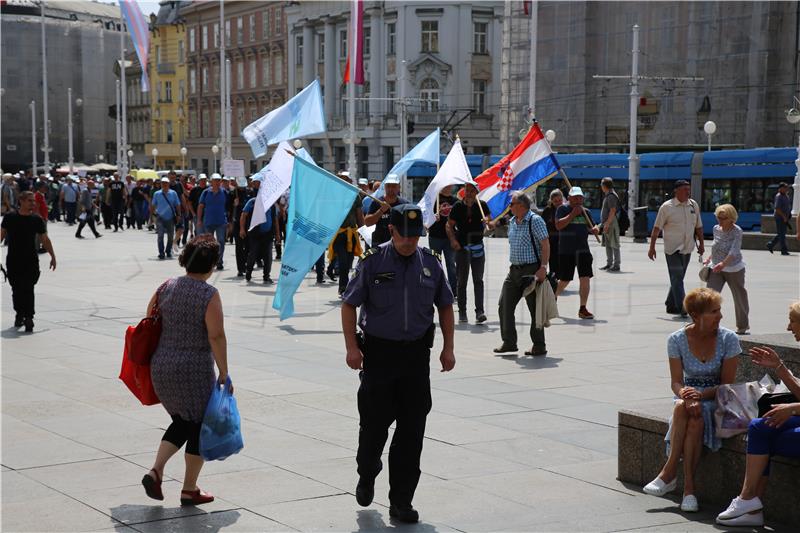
[(142, 339)]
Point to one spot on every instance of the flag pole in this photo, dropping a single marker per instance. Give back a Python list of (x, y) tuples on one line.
[(585, 213), (345, 182)]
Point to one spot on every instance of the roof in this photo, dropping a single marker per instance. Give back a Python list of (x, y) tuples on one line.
[(169, 12), (85, 7)]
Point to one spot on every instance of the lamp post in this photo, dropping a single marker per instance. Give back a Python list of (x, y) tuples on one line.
[(550, 135), (710, 128), (215, 151), (33, 135), (183, 158), (793, 117), (78, 103), (130, 159), (154, 151)]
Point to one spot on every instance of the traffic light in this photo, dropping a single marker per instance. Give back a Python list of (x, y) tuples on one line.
[(409, 127)]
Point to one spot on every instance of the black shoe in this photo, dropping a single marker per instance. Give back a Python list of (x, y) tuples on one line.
[(219, 266), (769, 247), (169, 256), (240, 274), (28, 324), (116, 230), (481, 318), (79, 237), (365, 491), (614, 269), (97, 236), (320, 282), (161, 256), (462, 318), (537, 351), (268, 281), (406, 514), (607, 267), (18, 321), (248, 276), (785, 253), (331, 274), (505, 349), (278, 257)]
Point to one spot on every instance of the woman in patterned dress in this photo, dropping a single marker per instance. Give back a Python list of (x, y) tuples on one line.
[(182, 367), (702, 356)]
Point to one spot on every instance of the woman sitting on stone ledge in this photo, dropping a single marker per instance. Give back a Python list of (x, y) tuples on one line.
[(777, 433), (701, 357)]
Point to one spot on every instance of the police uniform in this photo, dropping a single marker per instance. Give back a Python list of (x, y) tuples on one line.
[(396, 296)]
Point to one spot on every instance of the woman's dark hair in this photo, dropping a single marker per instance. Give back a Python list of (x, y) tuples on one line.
[(200, 254)]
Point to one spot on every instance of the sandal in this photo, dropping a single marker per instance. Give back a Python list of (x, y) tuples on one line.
[(195, 497), (152, 485)]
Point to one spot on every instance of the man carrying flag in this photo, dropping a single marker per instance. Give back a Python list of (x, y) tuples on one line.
[(379, 212), (397, 286)]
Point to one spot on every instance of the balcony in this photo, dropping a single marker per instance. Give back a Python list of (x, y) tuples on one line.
[(166, 68)]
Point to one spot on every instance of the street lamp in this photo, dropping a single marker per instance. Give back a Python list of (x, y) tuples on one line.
[(154, 151), (183, 158), (710, 128), (78, 102), (130, 159), (215, 151), (793, 117), (550, 135)]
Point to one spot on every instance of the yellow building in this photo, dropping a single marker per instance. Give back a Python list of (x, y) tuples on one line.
[(168, 86)]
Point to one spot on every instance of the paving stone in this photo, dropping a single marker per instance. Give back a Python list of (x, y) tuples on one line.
[(235, 520)]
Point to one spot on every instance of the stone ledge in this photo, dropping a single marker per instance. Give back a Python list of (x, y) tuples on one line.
[(758, 241)]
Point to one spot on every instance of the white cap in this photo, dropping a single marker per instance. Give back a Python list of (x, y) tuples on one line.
[(202, 176), (576, 191), (165, 180), (49, 178), (392, 179), (216, 176), (363, 181), (344, 173), (7, 175)]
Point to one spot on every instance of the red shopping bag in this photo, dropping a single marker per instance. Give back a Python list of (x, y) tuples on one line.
[(137, 377)]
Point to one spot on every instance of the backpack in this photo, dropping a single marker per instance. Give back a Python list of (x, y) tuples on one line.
[(623, 219)]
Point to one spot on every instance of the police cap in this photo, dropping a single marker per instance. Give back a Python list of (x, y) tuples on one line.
[(407, 220)]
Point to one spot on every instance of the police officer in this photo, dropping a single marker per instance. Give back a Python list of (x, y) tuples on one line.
[(397, 285)]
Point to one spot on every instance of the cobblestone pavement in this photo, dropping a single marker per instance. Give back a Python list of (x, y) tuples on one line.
[(513, 443)]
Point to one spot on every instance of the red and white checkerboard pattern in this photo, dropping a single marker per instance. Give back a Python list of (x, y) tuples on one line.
[(505, 182)]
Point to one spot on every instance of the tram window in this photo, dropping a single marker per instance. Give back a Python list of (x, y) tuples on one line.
[(654, 193), (715, 193), (749, 195)]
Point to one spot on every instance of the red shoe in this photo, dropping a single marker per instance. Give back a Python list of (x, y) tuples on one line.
[(195, 497), (152, 485)]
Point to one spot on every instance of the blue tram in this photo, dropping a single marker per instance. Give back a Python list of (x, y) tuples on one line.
[(747, 178)]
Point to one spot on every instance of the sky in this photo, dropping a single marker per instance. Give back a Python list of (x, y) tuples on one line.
[(147, 6)]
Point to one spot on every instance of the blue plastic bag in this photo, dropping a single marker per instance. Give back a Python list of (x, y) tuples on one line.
[(220, 434)]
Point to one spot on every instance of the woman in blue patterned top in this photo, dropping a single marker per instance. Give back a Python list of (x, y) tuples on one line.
[(702, 356)]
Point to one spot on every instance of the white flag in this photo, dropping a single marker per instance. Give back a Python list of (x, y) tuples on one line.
[(275, 179), (454, 171)]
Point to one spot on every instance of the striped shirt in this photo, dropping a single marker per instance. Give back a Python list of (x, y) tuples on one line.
[(519, 239), (727, 243)]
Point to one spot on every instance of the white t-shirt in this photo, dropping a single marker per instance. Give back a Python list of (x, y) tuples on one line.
[(678, 221)]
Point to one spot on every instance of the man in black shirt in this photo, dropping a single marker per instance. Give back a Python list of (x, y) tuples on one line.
[(19, 231), (194, 202), (574, 224), (437, 235), (119, 199), (138, 202), (379, 212), (465, 229)]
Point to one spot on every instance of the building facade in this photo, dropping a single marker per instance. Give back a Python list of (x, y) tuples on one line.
[(83, 40), (746, 52), (442, 58), (138, 112), (255, 42)]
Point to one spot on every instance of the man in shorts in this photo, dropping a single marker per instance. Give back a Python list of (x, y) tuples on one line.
[(574, 225)]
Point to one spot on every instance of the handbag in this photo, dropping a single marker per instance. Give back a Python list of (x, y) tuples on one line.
[(137, 377), (737, 405), (142, 339), (704, 273), (221, 431)]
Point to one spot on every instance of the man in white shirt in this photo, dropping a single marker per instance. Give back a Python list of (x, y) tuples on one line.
[(679, 219)]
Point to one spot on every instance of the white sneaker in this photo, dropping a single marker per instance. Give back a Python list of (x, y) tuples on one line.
[(657, 487), (739, 507), (689, 504), (746, 520)]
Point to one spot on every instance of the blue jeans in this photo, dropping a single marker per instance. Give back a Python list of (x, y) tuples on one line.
[(780, 237), (220, 233), (677, 264), (442, 245), (167, 227)]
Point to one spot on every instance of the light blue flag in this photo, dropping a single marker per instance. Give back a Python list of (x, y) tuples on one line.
[(426, 151), (301, 116), (318, 204)]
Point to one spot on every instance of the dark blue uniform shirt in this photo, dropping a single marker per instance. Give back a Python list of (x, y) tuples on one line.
[(397, 294)]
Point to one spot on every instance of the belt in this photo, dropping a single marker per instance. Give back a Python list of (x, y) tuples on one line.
[(701, 382), (425, 339), (524, 265)]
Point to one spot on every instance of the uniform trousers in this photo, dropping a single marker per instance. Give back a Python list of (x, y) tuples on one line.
[(260, 247), (735, 280), (518, 278), (241, 244), (22, 279), (677, 264), (395, 388)]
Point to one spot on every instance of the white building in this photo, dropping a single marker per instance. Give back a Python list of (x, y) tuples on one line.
[(444, 57)]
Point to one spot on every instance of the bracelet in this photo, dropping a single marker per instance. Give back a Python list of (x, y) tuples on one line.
[(778, 368)]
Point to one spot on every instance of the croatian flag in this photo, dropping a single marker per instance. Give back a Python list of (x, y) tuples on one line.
[(140, 35), (531, 162), (355, 47)]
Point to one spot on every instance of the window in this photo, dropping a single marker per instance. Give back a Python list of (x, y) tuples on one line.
[(279, 69), (228, 32), (240, 118), (240, 74), (479, 37), (169, 131), (429, 94), (158, 55), (343, 44), (217, 121), (367, 41), (239, 30), (205, 37), (168, 91), (216, 35), (430, 36), (158, 91), (265, 19), (266, 78), (391, 89), (253, 112), (204, 84), (181, 52), (391, 39), (215, 76), (192, 39), (479, 96), (253, 72), (279, 22), (320, 47), (298, 47), (205, 127), (251, 27), (181, 90)]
